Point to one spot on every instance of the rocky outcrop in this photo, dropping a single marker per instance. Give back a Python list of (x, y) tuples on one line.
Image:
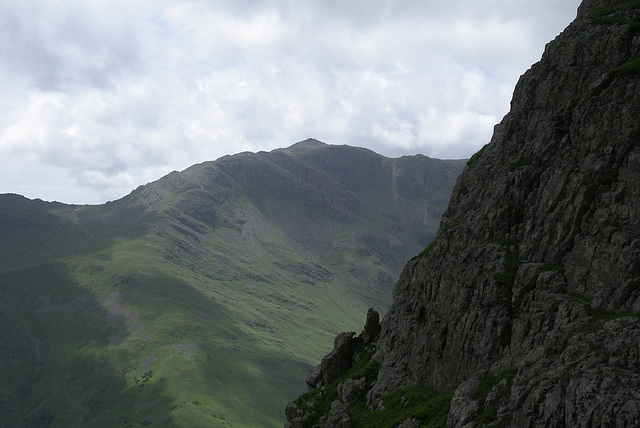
[(340, 380), (334, 364), (527, 304), (537, 259), (344, 356)]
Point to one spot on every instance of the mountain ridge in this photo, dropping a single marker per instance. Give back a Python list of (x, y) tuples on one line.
[(203, 297)]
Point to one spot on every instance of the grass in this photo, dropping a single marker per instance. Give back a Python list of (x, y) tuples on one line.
[(611, 16), (603, 15), (607, 315), (575, 99), (167, 333), (156, 319), (523, 161), (425, 252), (505, 280), (550, 267), (428, 406), (631, 69), (422, 403), (475, 158), (364, 368), (452, 224), (323, 397), (602, 314), (507, 276)]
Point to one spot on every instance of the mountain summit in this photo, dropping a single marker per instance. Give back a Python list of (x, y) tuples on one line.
[(201, 299), (525, 309)]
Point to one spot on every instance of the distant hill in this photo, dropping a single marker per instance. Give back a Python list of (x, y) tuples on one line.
[(202, 299)]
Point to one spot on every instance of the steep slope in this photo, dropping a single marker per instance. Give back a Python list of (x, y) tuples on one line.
[(202, 299), (527, 304)]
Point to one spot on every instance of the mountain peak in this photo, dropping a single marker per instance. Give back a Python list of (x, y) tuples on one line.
[(309, 142), (174, 297), (304, 146)]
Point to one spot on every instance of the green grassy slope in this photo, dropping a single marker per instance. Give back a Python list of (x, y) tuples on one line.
[(204, 298)]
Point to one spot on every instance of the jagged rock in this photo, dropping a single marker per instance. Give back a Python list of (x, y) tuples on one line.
[(314, 378), (352, 390), (371, 328), (335, 363), (341, 358), (339, 416), (540, 246), (296, 416), (410, 423), (463, 407), (347, 351)]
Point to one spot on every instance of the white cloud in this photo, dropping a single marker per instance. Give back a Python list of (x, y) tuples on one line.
[(57, 45), (99, 97)]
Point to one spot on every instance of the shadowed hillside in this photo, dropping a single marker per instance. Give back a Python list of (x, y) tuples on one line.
[(201, 299)]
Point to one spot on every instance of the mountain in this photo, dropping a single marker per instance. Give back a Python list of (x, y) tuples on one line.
[(201, 299), (525, 310)]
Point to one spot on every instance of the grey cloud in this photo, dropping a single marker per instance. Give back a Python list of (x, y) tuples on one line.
[(61, 44), (130, 90)]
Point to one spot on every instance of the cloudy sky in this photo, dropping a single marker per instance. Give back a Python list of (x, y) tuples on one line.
[(100, 96)]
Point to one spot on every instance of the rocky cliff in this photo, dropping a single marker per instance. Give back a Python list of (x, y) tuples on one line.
[(527, 304)]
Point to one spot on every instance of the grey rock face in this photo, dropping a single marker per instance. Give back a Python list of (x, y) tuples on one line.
[(371, 327), (296, 416), (339, 416), (335, 363), (410, 423), (342, 357), (463, 407), (536, 266), (351, 390)]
